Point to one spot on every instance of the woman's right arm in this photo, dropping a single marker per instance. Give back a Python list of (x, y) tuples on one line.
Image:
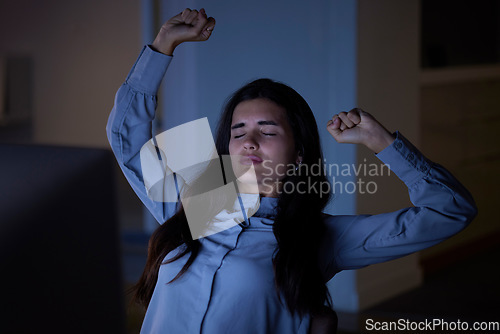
[(129, 125)]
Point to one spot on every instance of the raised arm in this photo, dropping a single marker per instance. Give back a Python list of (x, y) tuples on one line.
[(129, 124), (442, 206)]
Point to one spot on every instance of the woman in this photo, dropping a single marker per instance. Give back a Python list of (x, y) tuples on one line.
[(268, 273)]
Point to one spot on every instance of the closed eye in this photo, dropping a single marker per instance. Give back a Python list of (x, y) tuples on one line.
[(266, 134)]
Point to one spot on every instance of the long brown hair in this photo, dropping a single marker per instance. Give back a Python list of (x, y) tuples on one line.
[(297, 227)]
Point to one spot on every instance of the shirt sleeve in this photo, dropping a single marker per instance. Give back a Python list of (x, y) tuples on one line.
[(442, 208), (129, 125)]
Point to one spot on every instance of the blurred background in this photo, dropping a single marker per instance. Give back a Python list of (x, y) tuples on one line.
[(430, 69)]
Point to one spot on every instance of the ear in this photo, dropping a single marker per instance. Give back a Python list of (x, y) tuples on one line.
[(299, 157)]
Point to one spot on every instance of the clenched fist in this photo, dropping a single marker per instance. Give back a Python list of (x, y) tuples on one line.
[(359, 127), (188, 26)]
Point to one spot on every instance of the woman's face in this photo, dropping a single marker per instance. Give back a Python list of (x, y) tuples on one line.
[(261, 137)]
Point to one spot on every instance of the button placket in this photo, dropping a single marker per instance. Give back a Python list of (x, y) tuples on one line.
[(218, 262)]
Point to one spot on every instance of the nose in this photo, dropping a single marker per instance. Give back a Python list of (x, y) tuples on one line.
[(250, 143)]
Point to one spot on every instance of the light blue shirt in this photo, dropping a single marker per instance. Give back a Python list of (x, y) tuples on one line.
[(229, 288)]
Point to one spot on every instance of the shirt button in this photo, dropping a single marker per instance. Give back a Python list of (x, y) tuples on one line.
[(398, 145), (410, 156), (423, 168)]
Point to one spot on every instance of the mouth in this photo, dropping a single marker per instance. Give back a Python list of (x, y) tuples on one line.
[(250, 159)]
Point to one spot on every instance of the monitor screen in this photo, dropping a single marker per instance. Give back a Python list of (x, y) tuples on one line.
[(59, 241)]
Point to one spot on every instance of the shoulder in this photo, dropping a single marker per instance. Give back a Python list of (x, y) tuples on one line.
[(336, 226), (332, 241), (344, 232), (337, 221)]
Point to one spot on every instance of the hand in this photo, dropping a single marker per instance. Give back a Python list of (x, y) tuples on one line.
[(188, 26), (359, 127)]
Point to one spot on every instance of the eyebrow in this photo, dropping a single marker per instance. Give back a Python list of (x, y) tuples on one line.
[(239, 125)]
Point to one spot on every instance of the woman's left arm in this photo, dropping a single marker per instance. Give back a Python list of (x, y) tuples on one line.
[(442, 206)]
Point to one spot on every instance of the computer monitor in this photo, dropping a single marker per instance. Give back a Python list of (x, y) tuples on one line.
[(59, 241)]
